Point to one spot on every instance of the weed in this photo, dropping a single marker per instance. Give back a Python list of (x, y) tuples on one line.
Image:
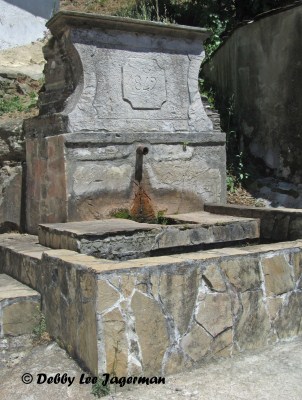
[(18, 103), (231, 183), (99, 389), (122, 213), (160, 218), (40, 333), (10, 105)]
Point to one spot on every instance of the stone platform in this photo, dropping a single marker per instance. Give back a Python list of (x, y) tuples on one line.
[(125, 239), (18, 306), (161, 315)]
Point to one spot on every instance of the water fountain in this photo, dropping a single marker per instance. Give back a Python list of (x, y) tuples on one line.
[(122, 124)]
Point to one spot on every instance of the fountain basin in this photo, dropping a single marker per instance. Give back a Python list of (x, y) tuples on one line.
[(120, 239)]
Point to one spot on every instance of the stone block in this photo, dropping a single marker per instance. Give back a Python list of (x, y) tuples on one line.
[(213, 278), (288, 322), (86, 349), (215, 313), (153, 336), (222, 344), (243, 272), (277, 275), (19, 307), (19, 318), (252, 329), (116, 344), (175, 362), (296, 260), (107, 296), (178, 294), (196, 343)]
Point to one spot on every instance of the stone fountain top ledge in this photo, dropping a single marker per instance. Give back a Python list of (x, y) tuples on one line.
[(108, 74)]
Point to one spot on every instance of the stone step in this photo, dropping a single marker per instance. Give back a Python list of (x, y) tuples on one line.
[(19, 306), (125, 239)]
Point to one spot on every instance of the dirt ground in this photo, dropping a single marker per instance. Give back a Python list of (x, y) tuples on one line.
[(274, 373)]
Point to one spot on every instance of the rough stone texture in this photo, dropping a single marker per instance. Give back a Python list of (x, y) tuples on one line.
[(178, 294), (161, 314), (112, 84), (12, 146), (11, 197), (277, 275), (275, 224), (196, 343), (125, 239), (259, 67), (277, 192), (215, 313), (243, 273), (289, 320), (253, 328), (70, 307), (213, 279), (46, 185), (153, 337), (12, 153), (116, 345), (19, 306), (108, 296)]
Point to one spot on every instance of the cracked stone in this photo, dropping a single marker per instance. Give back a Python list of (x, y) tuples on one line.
[(242, 272), (196, 343), (153, 336), (215, 313), (277, 275)]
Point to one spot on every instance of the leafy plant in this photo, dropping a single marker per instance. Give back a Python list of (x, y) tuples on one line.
[(40, 331), (231, 183), (160, 218), (99, 389), (18, 103), (122, 213), (10, 105)]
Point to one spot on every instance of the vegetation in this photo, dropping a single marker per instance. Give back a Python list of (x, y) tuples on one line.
[(218, 16), (18, 103), (237, 171), (99, 389), (40, 332)]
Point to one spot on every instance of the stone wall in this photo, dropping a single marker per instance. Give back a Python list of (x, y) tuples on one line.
[(276, 224), (23, 22), (259, 68), (165, 314), (12, 154)]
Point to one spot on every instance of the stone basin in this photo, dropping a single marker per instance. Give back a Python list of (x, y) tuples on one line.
[(125, 239)]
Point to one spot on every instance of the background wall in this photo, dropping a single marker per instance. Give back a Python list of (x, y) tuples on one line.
[(259, 68), (23, 21)]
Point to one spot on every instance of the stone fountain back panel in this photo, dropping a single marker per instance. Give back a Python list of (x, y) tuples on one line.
[(112, 84)]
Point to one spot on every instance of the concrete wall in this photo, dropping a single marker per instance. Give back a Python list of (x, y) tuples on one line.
[(260, 65), (23, 21)]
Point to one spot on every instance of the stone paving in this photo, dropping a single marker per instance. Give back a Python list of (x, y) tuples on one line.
[(271, 374)]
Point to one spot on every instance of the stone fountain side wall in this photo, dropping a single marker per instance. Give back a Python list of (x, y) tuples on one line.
[(167, 314)]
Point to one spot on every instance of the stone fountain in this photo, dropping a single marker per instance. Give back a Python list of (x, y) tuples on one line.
[(111, 85), (121, 113)]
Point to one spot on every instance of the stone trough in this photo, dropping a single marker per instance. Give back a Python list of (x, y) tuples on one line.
[(124, 239)]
